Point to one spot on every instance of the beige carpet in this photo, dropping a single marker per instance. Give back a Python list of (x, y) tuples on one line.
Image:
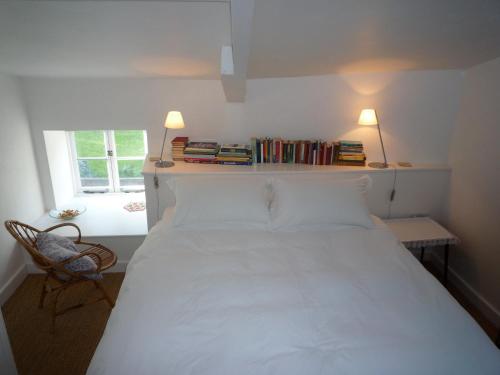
[(70, 349)]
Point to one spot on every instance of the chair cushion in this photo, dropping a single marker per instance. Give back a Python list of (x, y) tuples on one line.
[(58, 249), (55, 238)]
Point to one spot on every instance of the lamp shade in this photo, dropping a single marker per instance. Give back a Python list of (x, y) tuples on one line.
[(368, 117), (174, 120)]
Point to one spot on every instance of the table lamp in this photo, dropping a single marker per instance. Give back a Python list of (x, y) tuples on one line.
[(173, 121), (369, 117)]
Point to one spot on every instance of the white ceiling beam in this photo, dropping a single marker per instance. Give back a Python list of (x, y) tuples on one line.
[(234, 58), (234, 86)]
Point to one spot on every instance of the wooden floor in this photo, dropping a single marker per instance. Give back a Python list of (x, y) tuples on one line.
[(70, 349), (485, 324), (78, 332)]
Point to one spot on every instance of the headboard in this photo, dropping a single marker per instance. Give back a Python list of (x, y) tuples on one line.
[(419, 190)]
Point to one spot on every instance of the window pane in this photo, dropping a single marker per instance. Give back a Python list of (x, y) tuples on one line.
[(129, 143), (130, 172), (90, 144), (93, 172)]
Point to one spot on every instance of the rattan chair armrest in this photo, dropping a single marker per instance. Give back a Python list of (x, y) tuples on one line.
[(87, 243), (67, 225), (99, 258)]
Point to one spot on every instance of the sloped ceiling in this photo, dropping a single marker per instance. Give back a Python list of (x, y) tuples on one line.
[(113, 38), (288, 37), (298, 37)]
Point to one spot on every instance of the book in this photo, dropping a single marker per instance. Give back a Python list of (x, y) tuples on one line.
[(233, 158), (351, 143), (178, 145), (180, 141), (235, 148), (199, 156), (253, 143), (351, 157), (201, 161), (202, 147), (236, 162)]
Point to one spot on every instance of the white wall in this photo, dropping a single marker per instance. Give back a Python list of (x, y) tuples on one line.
[(19, 188), (416, 109), (60, 166), (474, 212)]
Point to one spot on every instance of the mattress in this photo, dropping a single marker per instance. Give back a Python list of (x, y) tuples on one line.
[(337, 300)]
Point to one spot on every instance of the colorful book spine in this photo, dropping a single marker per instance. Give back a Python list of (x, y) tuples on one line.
[(276, 150), (200, 161), (235, 162)]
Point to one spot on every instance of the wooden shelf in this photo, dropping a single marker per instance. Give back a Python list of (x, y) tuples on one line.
[(181, 167)]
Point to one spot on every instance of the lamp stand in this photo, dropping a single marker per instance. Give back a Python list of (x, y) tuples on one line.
[(164, 163), (377, 164)]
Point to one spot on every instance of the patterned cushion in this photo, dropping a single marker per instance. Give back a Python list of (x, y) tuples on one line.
[(50, 245)]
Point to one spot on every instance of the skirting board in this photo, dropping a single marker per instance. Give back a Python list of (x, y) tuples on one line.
[(489, 311), (12, 284)]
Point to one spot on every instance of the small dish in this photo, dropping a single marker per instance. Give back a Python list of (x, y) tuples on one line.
[(67, 212)]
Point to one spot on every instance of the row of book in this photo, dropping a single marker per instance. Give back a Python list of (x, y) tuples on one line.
[(276, 150), (235, 154), (178, 146), (270, 150), (210, 152), (201, 152), (350, 153)]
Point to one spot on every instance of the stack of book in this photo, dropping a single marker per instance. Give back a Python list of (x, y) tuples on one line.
[(235, 154), (276, 150), (178, 146), (349, 153), (201, 152)]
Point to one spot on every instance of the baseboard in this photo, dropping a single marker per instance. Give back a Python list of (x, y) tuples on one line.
[(486, 308), (12, 284), (120, 266)]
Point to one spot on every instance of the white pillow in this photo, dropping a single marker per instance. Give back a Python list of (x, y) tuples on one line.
[(310, 201), (205, 200)]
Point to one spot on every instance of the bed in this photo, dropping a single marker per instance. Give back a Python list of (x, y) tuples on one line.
[(238, 299)]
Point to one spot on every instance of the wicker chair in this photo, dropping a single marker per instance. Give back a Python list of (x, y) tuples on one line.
[(58, 278)]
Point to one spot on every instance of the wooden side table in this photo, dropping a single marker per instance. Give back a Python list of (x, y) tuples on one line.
[(423, 232)]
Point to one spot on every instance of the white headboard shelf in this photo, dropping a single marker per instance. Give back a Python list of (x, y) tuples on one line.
[(420, 190)]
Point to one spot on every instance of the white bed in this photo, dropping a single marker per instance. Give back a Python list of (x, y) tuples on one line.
[(346, 300)]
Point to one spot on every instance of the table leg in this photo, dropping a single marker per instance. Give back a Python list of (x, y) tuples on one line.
[(422, 250), (446, 254)]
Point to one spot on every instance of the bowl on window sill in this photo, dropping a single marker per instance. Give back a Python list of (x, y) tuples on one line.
[(67, 212)]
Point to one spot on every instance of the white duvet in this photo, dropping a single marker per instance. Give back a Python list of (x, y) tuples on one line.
[(342, 301)]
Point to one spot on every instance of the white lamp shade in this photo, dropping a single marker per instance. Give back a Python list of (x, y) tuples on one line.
[(368, 117), (174, 120)]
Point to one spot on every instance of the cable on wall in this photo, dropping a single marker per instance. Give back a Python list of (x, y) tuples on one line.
[(393, 191), (157, 188)]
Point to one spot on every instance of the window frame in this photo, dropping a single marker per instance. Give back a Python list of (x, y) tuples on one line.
[(111, 164)]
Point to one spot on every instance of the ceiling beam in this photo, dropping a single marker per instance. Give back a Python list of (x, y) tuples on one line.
[(234, 86), (234, 58)]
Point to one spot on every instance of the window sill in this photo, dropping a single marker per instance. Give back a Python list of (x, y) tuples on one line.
[(104, 217)]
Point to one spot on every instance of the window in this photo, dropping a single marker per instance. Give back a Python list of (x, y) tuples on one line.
[(108, 160)]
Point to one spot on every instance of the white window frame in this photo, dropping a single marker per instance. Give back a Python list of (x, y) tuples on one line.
[(111, 163)]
